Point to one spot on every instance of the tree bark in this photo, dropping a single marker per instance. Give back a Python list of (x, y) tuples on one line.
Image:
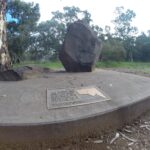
[(5, 60)]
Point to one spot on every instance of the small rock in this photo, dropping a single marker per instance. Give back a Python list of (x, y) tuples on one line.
[(10, 75), (98, 141), (108, 147)]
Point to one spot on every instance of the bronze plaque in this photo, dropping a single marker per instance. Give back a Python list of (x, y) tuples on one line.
[(60, 98)]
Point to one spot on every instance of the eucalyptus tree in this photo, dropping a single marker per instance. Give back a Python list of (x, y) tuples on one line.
[(124, 29), (21, 26), (5, 61), (49, 35), (142, 52)]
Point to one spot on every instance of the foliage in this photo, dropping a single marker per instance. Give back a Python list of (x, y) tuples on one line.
[(46, 40), (49, 35), (46, 64), (122, 22), (99, 32), (142, 52), (43, 41), (113, 50), (124, 30), (20, 31), (138, 66), (70, 15)]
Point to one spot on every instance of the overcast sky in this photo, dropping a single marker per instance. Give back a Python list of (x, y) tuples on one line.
[(102, 11)]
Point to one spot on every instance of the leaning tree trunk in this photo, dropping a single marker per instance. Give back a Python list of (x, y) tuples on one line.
[(5, 60)]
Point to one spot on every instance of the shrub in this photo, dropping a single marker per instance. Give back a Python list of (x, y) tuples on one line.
[(113, 50)]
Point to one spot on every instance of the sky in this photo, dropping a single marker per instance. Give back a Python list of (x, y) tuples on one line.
[(102, 11)]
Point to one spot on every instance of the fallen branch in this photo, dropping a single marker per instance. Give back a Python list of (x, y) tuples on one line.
[(115, 138), (126, 137), (128, 131), (130, 144), (145, 126)]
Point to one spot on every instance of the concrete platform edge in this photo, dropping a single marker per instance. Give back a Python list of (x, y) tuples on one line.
[(95, 125)]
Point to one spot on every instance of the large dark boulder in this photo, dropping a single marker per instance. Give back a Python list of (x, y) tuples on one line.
[(24, 72), (81, 48), (10, 75)]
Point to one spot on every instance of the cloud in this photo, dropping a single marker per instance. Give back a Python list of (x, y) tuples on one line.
[(101, 10)]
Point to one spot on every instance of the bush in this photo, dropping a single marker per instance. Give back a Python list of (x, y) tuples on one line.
[(113, 50)]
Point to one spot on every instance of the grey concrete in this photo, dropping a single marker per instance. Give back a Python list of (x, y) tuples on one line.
[(24, 114)]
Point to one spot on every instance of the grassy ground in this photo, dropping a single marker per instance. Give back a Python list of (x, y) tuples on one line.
[(141, 66), (57, 64), (52, 64), (123, 64), (138, 66)]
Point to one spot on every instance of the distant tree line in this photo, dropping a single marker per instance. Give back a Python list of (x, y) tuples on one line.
[(28, 39)]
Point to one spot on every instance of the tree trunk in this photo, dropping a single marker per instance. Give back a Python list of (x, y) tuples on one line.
[(5, 60)]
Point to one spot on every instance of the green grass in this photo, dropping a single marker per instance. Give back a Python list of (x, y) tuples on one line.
[(52, 64), (141, 66), (131, 65)]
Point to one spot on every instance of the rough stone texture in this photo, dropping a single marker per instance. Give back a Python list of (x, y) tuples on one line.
[(10, 75), (81, 48), (24, 72)]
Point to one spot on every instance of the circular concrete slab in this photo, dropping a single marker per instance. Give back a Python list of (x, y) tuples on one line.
[(106, 100)]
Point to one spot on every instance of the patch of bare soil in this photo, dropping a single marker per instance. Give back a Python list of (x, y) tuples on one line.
[(27, 72)]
